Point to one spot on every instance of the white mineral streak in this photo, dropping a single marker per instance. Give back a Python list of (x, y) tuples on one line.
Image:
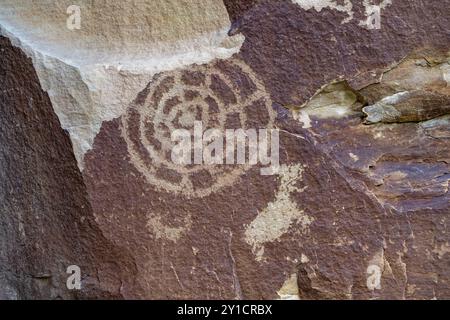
[(92, 74)]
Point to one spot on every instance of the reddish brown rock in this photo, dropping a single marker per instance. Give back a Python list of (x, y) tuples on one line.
[(355, 211), (47, 223)]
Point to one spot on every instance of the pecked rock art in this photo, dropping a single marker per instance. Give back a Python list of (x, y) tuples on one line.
[(354, 211), (407, 106), (279, 215), (47, 222), (222, 96)]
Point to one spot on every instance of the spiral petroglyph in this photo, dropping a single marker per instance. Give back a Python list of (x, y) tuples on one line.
[(221, 95)]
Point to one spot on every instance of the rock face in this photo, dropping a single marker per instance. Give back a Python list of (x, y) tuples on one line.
[(356, 206), (47, 223)]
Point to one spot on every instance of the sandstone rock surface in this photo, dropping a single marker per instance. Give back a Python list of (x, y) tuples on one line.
[(358, 207)]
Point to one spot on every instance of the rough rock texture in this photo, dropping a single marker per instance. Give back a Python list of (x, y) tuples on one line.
[(47, 222), (359, 208), (93, 73)]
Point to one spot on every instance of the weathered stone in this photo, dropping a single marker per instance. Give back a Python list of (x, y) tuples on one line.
[(47, 223), (352, 212), (93, 73), (408, 106)]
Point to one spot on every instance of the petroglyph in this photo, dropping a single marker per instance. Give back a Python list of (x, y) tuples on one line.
[(279, 215), (345, 6), (222, 95), (166, 232), (93, 72)]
